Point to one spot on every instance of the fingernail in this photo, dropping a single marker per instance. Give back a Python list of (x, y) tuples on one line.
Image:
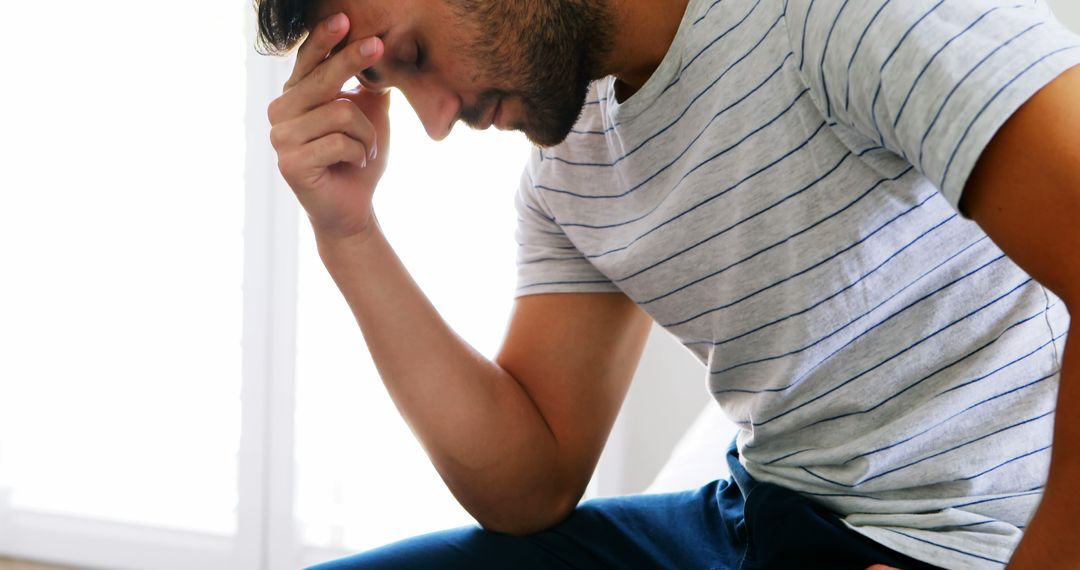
[(363, 164), (335, 23), (368, 47), (374, 152)]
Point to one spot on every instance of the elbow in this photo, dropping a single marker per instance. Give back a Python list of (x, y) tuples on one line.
[(529, 519)]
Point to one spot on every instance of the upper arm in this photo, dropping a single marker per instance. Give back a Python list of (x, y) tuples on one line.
[(1025, 189), (1025, 193), (575, 355)]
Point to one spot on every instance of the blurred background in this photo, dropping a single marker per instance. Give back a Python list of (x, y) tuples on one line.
[(181, 384)]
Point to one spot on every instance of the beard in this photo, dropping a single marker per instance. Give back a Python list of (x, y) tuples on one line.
[(546, 51)]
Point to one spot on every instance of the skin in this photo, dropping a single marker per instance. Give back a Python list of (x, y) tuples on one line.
[(516, 439), (1025, 193)]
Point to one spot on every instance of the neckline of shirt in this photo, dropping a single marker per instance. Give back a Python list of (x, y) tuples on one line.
[(659, 81)]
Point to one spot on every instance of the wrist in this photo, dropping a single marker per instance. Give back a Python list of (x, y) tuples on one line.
[(331, 243)]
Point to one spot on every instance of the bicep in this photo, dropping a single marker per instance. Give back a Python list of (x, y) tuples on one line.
[(575, 355), (1025, 189)]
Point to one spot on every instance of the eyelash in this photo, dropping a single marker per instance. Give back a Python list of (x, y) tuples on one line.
[(420, 57)]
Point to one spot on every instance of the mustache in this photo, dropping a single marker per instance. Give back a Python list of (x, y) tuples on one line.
[(473, 114)]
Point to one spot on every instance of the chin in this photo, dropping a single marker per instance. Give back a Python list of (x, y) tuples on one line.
[(547, 137), (553, 127), (544, 143)]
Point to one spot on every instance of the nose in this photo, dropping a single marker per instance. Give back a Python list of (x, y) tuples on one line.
[(437, 107)]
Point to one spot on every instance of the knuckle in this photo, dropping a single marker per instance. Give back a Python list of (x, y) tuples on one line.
[(338, 144), (273, 111), (285, 164), (277, 137), (345, 112), (349, 59), (353, 57), (320, 75)]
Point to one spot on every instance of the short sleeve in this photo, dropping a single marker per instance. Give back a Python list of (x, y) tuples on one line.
[(930, 80), (547, 260)]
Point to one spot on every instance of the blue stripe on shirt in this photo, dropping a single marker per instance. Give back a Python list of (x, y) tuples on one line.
[(934, 455), (756, 214), (824, 53), (854, 283), (881, 72), (921, 161), (889, 359), (1013, 460), (715, 41), (983, 402), (933, 58), (938, 371), (849, 323), (967, 131), (831, 257), (716, 196), (680, 117), (957, 550), (855, 53)]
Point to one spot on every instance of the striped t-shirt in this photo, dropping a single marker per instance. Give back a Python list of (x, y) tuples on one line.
[(781, 196)]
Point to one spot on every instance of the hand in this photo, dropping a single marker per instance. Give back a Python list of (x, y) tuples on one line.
[(881, 567), (332, 145)]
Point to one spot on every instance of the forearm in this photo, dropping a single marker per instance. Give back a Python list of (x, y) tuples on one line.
[(1051, 540), (482, 431)]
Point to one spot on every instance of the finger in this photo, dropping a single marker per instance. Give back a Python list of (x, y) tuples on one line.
[(375, 105), (341, 116), (315, 157), (317, 46), (324, 83)]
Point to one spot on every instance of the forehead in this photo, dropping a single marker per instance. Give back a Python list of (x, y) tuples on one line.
[(366, 17)]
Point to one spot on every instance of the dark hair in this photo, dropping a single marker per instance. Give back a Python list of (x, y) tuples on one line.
[(281, 25)]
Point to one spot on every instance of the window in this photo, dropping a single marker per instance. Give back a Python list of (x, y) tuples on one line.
[(122, 256), (181, 384)]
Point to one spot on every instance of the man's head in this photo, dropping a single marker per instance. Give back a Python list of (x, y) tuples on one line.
[(524, 65)]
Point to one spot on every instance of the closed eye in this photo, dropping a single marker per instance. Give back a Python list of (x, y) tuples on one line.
[(370, 75), (420, 57)]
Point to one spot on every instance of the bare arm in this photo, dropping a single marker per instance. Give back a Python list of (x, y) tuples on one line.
[(516, 440), (1025, 193)]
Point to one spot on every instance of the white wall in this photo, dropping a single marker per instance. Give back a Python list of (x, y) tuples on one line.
[(1068, 11), (668, 393), (669, 390)]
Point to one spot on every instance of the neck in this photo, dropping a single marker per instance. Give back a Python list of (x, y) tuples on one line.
[(643, 32)]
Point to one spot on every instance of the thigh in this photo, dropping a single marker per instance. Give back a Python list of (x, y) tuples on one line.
[(694, 529)]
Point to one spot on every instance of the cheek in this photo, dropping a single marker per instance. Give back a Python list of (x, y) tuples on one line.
[(514, 109)]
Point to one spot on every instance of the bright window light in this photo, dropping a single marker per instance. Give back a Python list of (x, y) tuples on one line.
[(121, 254)]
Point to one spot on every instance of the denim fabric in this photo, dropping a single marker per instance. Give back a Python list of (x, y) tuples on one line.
[(736, 524)]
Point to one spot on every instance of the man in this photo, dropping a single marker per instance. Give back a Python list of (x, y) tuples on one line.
[(798, 190)]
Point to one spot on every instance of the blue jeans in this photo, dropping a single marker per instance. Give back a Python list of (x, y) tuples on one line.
[(734, 524)]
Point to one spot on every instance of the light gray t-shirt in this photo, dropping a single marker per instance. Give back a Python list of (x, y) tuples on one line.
[(781, 196)]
